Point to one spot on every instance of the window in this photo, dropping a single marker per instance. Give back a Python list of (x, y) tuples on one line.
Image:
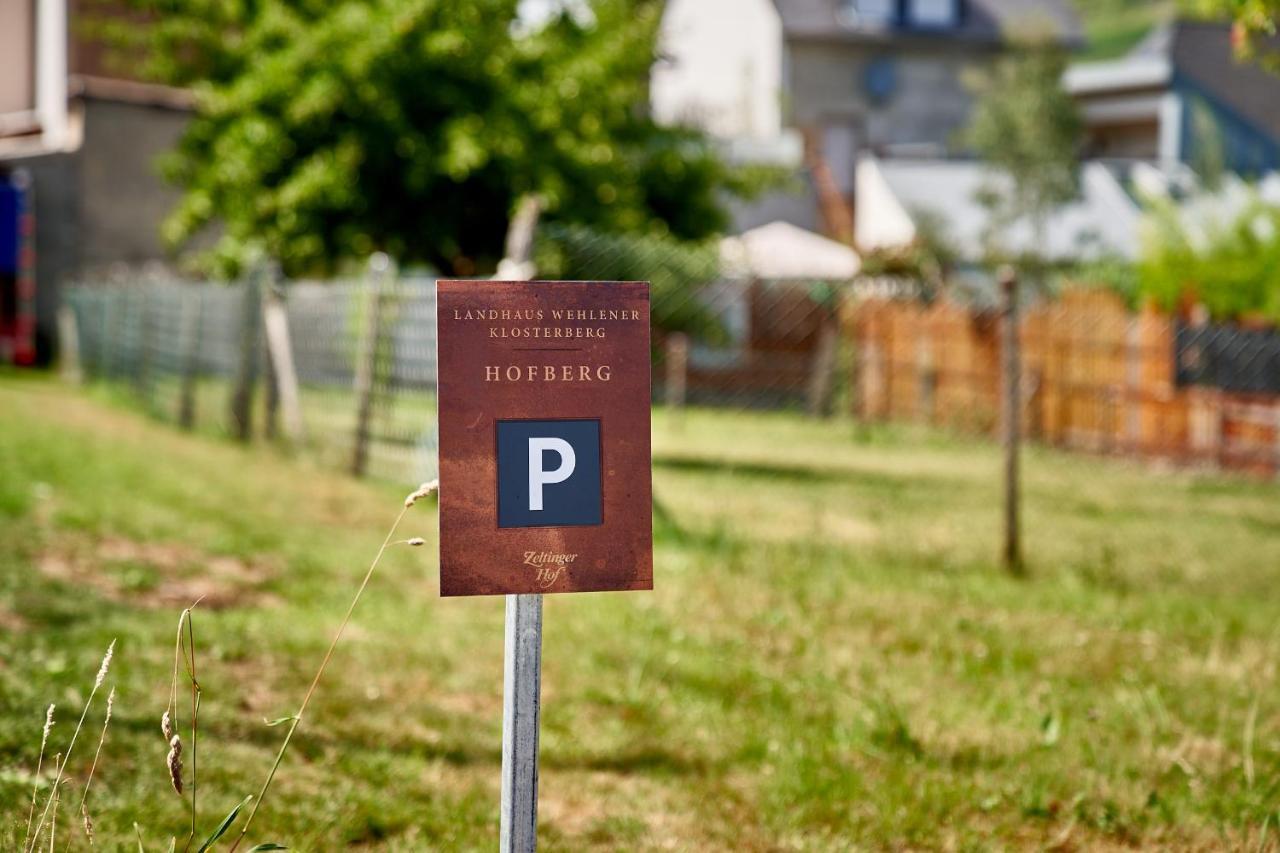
[(868, 13), (933, 14)]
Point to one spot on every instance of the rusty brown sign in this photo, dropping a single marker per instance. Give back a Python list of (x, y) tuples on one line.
[(544, 437)]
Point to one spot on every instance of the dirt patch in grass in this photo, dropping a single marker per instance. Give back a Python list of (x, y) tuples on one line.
[(11, 622), (158, 574)]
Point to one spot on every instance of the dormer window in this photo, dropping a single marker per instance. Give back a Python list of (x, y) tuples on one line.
[(871, 14), (933, 14)]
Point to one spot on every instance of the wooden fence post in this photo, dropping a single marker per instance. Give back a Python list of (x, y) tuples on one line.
[(247, 368), (823, 368), (190, 336), (677, 372), (142, 368), (367, 360), (69, 346), (284, 374), (1011, 427)]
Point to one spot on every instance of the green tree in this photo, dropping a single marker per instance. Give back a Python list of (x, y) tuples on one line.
[(1026, 127), (327, 129), (1232, 267)]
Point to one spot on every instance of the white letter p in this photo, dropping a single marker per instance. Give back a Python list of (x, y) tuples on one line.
[(539, 477)]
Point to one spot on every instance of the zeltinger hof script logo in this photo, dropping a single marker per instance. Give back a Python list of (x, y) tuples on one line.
[(550, 565)]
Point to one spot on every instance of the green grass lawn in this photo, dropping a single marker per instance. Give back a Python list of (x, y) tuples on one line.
[(1113, 27), (831, 659)]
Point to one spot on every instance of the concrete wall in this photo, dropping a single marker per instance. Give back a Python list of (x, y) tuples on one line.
[(123, 199), (54, 179), (100, 205), (927, 104), (795, 202)]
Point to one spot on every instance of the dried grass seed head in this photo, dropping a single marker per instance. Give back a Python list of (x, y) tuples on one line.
[(426, 489), (48, 725), (166, 726), (88, 823), (415, 542), (174, 762), (106, 664)]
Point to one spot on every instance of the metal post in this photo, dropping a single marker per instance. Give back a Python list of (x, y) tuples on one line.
[(367, 360), (1011, 426), (521, 697), (522, 649), (247, 361)]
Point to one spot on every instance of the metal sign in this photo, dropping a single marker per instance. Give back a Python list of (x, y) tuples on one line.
[(544, 437)]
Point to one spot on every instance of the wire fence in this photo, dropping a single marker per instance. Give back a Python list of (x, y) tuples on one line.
[(1096, 377), (199, 355)]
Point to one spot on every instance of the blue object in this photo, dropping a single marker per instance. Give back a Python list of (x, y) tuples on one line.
[(879, 79), (10, 205), (549, 473)]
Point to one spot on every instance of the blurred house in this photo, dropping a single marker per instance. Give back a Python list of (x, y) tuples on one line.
[(1181, 97), (78, 147), (818, 83), (902, 201)]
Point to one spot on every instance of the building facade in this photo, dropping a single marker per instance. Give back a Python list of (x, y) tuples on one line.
[(847, 78), (79, 143)]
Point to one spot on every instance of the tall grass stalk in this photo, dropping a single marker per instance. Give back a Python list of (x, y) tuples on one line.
[(84, 809), (66, 756), (421, 492), (35, 786), (55, 797), (184, 652)]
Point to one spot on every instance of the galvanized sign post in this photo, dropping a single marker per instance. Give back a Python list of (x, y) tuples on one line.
[(521, 697), (543, 399)]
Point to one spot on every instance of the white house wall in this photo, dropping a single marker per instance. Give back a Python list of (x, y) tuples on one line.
[(722, 67), (880, 220)]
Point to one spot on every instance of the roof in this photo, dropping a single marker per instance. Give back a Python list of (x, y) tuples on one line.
[(1201, 52), (1130, 72), (1102, 220), (980, 20), (1198, 53), (781, 250)]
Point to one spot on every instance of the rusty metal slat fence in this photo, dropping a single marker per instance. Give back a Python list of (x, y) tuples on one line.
[(1096, 377)]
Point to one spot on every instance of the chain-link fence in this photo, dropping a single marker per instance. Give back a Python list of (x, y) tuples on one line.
[(201, 355), (363, 351)]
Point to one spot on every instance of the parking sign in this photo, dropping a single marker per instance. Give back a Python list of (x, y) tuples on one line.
[(544, 437)]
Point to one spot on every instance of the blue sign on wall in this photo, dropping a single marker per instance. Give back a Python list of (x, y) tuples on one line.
[(549, 473), (10, 242)]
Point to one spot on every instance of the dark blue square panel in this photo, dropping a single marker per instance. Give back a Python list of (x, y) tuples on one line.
[(549, 473)]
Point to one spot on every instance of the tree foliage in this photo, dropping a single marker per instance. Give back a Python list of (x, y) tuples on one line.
[(1231, 267), (1027, 128), (673, 269), (328, 129)]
